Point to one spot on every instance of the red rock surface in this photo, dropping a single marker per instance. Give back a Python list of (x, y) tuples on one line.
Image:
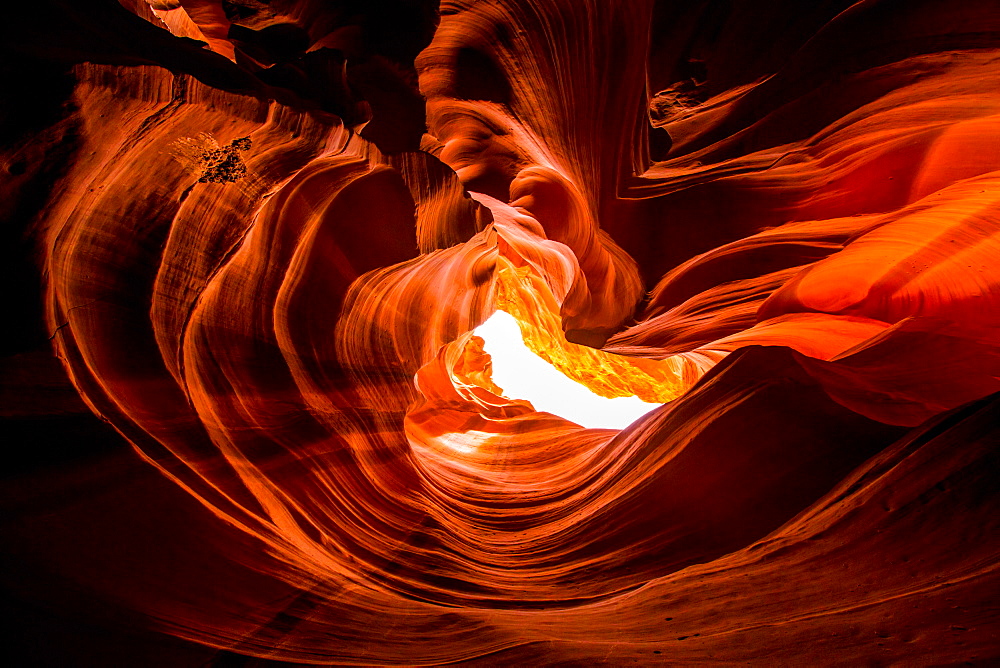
[(251, 424)]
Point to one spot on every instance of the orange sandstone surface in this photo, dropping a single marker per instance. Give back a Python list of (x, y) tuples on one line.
[(247, 244)]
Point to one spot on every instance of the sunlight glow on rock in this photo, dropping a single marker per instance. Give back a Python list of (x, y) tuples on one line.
[(524, 375)]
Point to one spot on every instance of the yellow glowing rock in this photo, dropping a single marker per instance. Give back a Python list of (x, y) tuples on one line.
[(476, 367)]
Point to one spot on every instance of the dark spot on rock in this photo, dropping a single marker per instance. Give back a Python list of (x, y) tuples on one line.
[(660, 143), (587, 337), (479, 78), (224, 165)]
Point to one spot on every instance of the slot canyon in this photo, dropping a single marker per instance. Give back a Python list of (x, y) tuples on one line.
[(249, 418)]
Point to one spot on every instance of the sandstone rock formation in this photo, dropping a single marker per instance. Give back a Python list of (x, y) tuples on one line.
[(263, 233)]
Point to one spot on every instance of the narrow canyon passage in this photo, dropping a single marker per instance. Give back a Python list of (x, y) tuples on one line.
[(505, 332)]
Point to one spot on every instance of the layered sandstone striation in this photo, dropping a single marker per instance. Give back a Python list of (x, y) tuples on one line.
[(270, 289)]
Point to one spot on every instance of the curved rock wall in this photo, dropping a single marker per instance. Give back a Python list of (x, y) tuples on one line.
[(782, 221)]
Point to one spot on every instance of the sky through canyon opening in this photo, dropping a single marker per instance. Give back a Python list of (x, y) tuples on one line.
[(524, 375)]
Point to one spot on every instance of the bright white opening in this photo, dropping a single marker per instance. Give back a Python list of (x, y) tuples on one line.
[(524, 375)]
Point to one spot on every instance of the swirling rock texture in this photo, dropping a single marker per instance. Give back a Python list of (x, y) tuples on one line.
[(250, 424)]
